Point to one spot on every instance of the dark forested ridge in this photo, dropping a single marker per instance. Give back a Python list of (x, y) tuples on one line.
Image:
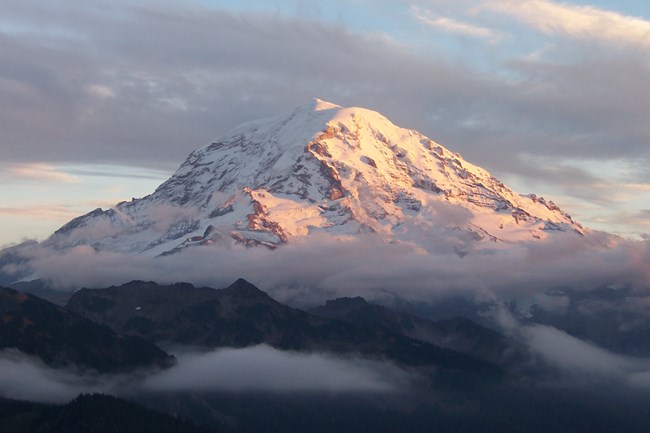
[(242, 315), (89, 414), (61, 338)]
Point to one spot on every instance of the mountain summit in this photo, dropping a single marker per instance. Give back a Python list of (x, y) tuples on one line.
[(320, 168)]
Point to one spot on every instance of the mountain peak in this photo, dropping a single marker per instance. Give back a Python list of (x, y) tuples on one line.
[(316, 104), (243, 285), (242, 288)]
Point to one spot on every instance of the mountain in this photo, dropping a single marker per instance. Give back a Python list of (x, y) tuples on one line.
[(320, 168), (41, 289), (459, 334), (241, 315), (11, 259), (60, 338)]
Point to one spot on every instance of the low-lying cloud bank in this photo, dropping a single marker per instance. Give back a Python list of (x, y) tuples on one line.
[(580, 358), (321, 268), (262, 368), (582, 363), (568, 361), (27, 378), (258, 368)]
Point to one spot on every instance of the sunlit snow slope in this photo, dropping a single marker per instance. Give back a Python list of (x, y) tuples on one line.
[(321, 168)]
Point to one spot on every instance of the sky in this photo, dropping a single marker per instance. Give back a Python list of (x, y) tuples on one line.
[(101, 101)]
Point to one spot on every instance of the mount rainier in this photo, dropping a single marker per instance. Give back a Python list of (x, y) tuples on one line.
[(326, 169)]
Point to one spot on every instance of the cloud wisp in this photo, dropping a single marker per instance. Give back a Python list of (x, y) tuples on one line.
[(41, 172), (575, 362), (26, 378), (262, 368), (580, 22), (454, 26)]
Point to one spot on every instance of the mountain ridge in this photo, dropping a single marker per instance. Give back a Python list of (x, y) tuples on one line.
[(459, 333), (60, 338), (241, 315)]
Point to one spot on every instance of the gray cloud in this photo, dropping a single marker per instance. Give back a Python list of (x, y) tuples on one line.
[(578, 357), (149, 83), (27, 378), (160, 78), (259, 368), (321, 268), (573, 361), (262, 368)]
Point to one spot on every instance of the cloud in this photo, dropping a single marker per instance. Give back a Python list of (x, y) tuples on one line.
[(450, 25), (573, 361), (640, 217), (123, 172), (59, 213), (581, 22), (258, 368), (322, 268), (27, 378), (101, 90), (262, 368), (631, 223), (262, 53), (184, 65), (40, 172), (579, 357)]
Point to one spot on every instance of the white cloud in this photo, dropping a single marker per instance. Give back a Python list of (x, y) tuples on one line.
[(263, 368), (574, 355), (41, 172), (323, 268), (101, 91), (577, 361), (450, 25), (582, 22), (26, 378), (259, 368)]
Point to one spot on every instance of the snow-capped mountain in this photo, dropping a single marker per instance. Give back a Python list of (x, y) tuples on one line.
[(320, 168)]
